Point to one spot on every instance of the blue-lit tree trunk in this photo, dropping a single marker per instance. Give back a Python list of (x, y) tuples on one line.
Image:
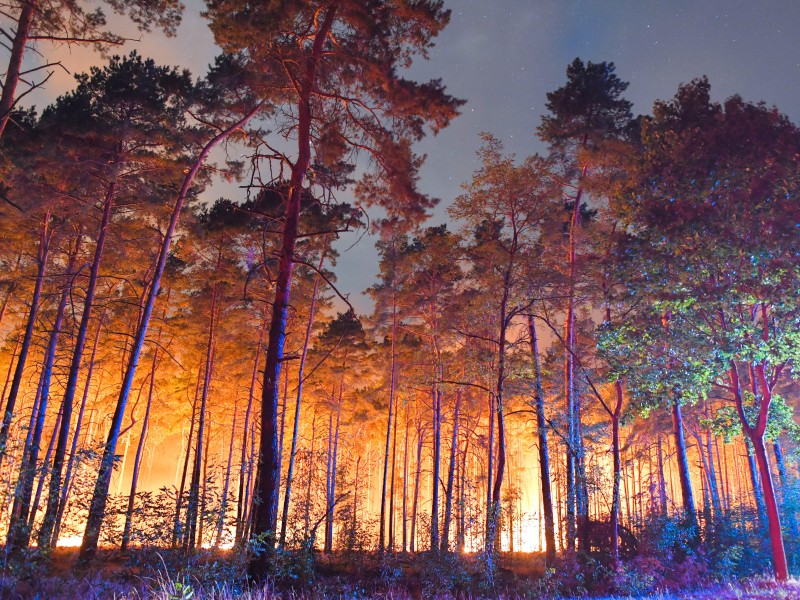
[(97, 506)]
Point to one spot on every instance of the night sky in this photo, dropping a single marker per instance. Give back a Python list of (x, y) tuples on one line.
[(503, 56)]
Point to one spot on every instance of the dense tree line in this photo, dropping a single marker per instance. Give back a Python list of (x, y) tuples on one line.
[(602, 343)]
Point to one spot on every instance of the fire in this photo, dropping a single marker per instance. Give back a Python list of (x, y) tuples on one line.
[(71, 541)]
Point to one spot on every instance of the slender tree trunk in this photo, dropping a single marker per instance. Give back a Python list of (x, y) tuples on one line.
[(137, 462), (333, 460), (179, 533), (310, 477), (393, 367), (298, 401), (226, 485), (462, 503), (194, 487), (45, 533), (712, 478), (451, 474), (240, 501), (97, 506), (544, 451), (391, 487), (44, 472), (662, 482), (203, 496), (73, 453), (569, 373), (415, 503), (493, 537), (615, 450), (18, 530), (781, 464), (683, 465), (437, 459), (405, 484), (43, 253)]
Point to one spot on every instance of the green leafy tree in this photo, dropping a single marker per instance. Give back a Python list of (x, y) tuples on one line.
[(715, 242)]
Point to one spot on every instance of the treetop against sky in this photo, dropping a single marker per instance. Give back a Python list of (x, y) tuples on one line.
[(504, 56)]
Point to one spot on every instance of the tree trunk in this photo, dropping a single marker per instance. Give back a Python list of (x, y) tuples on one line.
[(662, 481), (268, 474), (615, 450), (298, 401), (13, 71), (137, 462), (194, 487), (773, 515), (226, 486), (73, 452), (203, 496), (18, 530), (44, 472), (392, 369), (243, 488), (391, 487), (451, 474), (45, 533), (683, 465), (179, 533), (97, 506), (8, 415), (415, 503), (437, 459), (405, 483), (544, 451), (781, 464), (333, 460)]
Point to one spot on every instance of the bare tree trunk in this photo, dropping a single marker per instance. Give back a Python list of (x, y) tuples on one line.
[(179, 534), (544, 450), (332, 462), (391, 487), (203, 496), (48, 523), (194, 487), (44, 472), (298, 401), (137, 462), (73, 452), (415, 503), (683, 465), (43, 253), (451, 474), (405, 484), (392, 362), (662, 482), (18, 531), (226, 486), (241, 508), (97, 506)]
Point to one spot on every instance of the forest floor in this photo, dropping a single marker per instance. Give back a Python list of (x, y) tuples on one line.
[(168, 575)]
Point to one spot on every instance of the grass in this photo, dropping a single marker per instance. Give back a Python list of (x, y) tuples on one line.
[(171, 575)]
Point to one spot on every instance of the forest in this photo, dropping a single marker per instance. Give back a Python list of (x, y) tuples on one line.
[(582, 382)]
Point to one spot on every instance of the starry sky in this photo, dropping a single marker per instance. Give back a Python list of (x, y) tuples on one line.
[(503, 56)]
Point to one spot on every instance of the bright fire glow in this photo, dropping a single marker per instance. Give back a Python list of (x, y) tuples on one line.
[(71, 541)]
